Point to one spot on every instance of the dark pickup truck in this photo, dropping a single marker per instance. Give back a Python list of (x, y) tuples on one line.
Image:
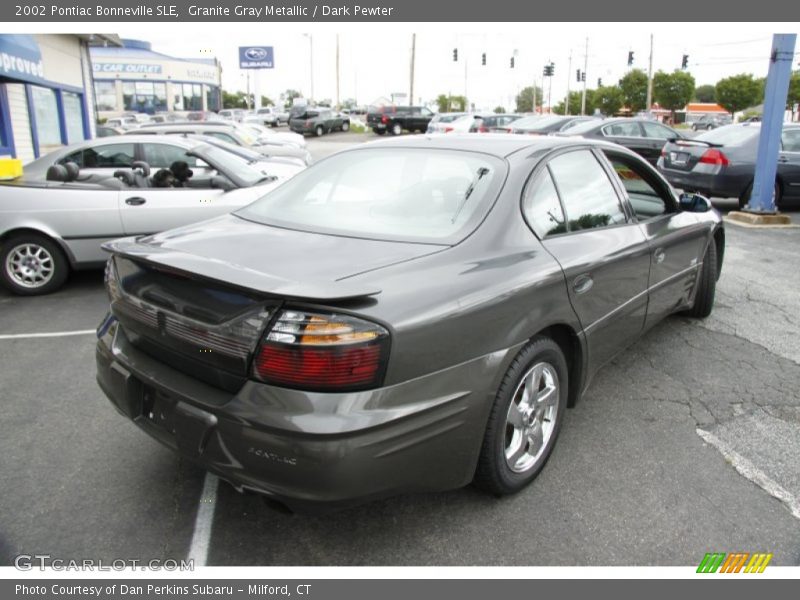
[(395, 119)]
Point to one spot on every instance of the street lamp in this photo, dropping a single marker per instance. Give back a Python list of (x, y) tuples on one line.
[(310, 63)]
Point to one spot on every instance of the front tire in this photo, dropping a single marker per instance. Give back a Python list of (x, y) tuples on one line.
[(32, 265), (345, 126), (707, 286), (525, 419)]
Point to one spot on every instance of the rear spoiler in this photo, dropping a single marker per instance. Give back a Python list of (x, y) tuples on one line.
[(236, 275), (691, 142)]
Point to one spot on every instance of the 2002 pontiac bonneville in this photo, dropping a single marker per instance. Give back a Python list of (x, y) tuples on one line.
[(407, 315)]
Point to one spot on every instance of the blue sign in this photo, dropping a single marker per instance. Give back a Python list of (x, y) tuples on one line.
[(256, 57), (20, 58)]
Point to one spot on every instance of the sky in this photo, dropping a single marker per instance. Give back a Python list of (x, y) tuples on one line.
[(375, 58)]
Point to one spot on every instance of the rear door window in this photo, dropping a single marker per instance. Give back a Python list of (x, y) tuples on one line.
[(629, 129), (589, 198), (542, 208), (659, 132), (791, 140)]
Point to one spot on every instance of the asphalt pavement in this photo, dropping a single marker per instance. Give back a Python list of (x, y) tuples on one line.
[(687, 443)]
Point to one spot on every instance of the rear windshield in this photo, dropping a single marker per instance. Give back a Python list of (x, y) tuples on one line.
[(405, 194), (732, 135)]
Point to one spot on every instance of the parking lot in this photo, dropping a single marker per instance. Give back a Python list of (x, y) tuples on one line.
[(687, 443)]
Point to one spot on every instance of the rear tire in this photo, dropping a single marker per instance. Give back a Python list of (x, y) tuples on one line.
[(525, 419), (707, 286), (345, 126), (377, 131), (397, 129), (318, 131), (32, 265)]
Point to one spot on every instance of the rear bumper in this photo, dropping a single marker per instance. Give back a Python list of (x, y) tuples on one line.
[(722, 184), (310, 451)]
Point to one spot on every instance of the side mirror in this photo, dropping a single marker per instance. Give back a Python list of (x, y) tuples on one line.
[(694, 203), (220, 182)]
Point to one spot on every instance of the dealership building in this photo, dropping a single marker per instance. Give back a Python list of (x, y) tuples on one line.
[(133, 78), (46, 97)]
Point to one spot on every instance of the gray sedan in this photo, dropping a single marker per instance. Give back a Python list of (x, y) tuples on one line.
[(55, 217), (409, 315), (722, 162)]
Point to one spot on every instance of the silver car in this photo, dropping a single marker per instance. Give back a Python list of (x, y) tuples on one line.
[(55, 217)]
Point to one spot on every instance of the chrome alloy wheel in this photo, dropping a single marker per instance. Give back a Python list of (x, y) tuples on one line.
[(531, 417), (30, 265)]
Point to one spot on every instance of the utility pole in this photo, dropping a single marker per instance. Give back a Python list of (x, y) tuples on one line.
[(413, 56), (569, 76), (337, 72), (650, 78), (466, 102), (585, 68)]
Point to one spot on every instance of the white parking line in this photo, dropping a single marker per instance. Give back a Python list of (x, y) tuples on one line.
[(750, 471), (201, 539), (21, 336)]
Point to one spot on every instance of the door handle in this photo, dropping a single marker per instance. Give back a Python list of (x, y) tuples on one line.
[(582, 284), (783, 159), (659, 255), (135, 201)]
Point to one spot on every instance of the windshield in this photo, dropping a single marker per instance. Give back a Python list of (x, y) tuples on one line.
[(536, 122), (406, 194), (237, 169), (582, 128), (731, 135)]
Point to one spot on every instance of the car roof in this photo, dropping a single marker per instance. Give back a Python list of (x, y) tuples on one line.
[(500, 145)]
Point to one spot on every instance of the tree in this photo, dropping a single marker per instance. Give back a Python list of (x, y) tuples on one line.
[(608, 99), (265, 101), (634, 90), (673, 90), (739, 92), (288, 97), (575, 103), (524, 99), (705, 93), (450, 103), (236, 99), (794, 93), (499, 110)]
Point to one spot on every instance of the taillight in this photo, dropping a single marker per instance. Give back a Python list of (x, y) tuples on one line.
[(448, 129), (308, 123), (111, 280), (322, 352), (712, 156), (384, 119), (483, 129)]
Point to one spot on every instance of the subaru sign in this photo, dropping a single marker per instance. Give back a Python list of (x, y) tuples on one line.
[(256, 57)]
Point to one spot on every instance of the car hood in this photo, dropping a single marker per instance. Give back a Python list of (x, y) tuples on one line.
[(271, 259)]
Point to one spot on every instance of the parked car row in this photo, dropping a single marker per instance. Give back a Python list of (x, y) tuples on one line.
[(55, 217)]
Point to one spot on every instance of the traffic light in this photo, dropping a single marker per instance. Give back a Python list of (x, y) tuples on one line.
[(685, 62), (483, 59), (583, 76), (548, 70), (455, 54), (630, 58), (578, 75), (512, 62), (599, 82)]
